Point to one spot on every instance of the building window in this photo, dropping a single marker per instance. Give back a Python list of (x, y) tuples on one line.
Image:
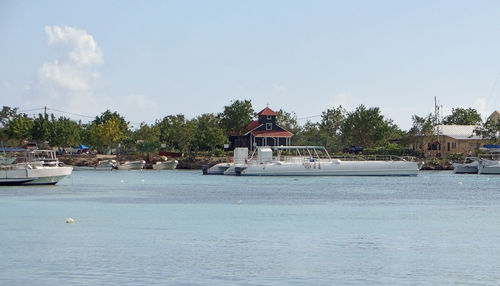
[(269, 117), (453, 145), (269, 126)]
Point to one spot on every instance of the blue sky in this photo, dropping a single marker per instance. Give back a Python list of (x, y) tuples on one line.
[(149, 59)]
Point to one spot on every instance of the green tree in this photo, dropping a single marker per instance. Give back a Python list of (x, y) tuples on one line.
[(176, 132), (331, 127), (111, 131), (92, 136), (237, 116), (310, 134), (19, 128), (288, 121), (422, 129), (367, 128), (42, 128), (490, 131), (65, 132), (463, 116), (147, 138), (208, 135), (6, 114), (106, 130)]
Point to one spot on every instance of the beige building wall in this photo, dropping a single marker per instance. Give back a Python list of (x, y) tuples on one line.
[(495, 116), (451, 145)]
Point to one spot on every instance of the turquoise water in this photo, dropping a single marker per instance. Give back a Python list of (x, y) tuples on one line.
[(182, 228)]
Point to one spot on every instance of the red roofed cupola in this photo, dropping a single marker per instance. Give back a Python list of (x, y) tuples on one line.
[(267, 112), (262, 132)]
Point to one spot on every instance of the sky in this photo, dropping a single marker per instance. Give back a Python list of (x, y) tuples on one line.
[(150, 59)]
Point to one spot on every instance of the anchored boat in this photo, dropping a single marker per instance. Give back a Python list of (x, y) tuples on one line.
[(469, 166), (132, 165), (315, 161), (40, 167)]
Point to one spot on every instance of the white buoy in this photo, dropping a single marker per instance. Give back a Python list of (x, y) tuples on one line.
[(121, 181), (70, 220), (459, 183), (142, 180)]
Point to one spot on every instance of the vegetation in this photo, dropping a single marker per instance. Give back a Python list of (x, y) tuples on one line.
[(463, 116), (207, 133)]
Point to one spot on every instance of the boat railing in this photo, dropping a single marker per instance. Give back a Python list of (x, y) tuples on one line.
[(301, 159), (373, 158)]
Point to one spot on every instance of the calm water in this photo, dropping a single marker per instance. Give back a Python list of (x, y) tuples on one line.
[(182, 228)]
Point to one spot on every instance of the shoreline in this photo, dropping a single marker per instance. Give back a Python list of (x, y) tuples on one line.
[(196, 163)]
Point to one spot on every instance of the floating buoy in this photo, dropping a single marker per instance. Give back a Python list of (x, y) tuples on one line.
[(121, 181), (142, 180), (70, 220), (459, 183)]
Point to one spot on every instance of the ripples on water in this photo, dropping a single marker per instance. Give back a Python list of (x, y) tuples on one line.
[(182, 228)]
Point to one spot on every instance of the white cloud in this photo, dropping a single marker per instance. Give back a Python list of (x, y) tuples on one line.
[(72, 83), (69, 82), (83, 49)]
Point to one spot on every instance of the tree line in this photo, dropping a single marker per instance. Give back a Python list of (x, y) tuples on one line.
[(207, 133)]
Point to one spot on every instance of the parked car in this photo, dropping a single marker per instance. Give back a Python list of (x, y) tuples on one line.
[(353, 149)]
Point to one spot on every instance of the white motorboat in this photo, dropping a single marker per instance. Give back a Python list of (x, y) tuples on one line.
[(489, 167), (307, 161), (217, 169), (240, 159), (469, 166), (41, 167), (104, 165), (132, 165), (165, 165)]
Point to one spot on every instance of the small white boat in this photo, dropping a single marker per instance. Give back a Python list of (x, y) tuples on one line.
[(132, 165), (166, 165), (104, 165), (469, 166), (489, 167), (41, 167), (228, 168), (306, 161), (217, 169)]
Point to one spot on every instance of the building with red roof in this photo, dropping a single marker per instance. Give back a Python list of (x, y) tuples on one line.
[(262, 132)]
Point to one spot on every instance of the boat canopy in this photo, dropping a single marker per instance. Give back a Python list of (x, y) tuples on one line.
[(11, 149), (83, 147)]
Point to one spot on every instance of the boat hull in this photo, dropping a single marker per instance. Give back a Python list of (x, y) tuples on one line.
[(132, 165), (334, 168), (167, 165), (489, 167), (37, 176)]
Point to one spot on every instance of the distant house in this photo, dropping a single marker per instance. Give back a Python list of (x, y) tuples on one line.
[(457, 139), (495, 116), (262, 132)]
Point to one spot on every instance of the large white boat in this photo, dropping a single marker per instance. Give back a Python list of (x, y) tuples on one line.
[(315, 161), (40, 167), (469, 166), (489, 167)]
